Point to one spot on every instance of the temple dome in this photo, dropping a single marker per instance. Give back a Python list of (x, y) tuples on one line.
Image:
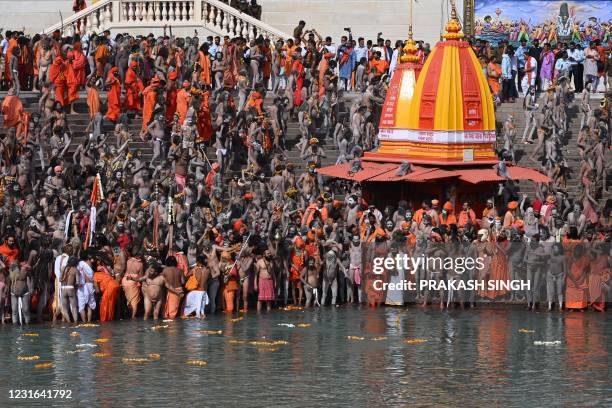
[(442, 115)]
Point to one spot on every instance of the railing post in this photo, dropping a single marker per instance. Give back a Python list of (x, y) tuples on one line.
[(116, 8), (197, 11)]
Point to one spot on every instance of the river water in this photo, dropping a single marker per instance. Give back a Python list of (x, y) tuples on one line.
[(393, 357)]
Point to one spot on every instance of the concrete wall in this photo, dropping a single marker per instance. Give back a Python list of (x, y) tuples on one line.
[(365, 17), (328, 17)]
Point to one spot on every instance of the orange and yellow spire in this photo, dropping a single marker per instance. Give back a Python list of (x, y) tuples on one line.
[(443, 115)]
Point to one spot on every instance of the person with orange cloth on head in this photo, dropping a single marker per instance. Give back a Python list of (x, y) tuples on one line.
[(150, 98), (106, 284), (255, 101), (133, 88), (79, 64), (113, 97), (57, 75), (204, 62), (447, 217), (72, 81), (466, 214), (183, 101), (204, 121), (171, 95), (510, 217)]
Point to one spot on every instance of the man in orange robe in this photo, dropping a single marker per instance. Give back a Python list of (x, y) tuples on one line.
[(204, 121), (72, 81), (150, 97), (204, 61), (79, 63), (171, 94), (106, 284), (255, 101), (113, 97), (12, 110), (298, 72), (183, 100), (12, 43), (57, 74), (133, 88), (576, 285), (93, 98)]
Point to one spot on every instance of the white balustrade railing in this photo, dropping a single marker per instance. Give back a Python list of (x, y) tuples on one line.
[(213, 15)]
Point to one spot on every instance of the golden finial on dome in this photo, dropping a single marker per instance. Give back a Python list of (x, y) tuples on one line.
[(410, 49), (453, 27)]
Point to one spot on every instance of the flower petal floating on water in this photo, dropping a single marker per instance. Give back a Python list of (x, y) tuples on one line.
[(30, 334), (75, 334), (101, 355), (209, 331), (237, 319), (286, 324), (355, 338), (87, 325), (547, 343), (291, 307), (135, 360), (236, 341), (102, 340), (154, 356), (303, 325), (160, 327), (381, 338), (27, 358), (415, 341), (197, 362), (44, 365), (526, 331)]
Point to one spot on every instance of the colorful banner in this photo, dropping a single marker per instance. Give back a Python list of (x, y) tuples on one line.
[(549, 21)]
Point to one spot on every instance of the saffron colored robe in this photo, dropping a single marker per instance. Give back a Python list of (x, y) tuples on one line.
[(133, 88), (110, 293), (183, 100), (150, 96), (113, 96)]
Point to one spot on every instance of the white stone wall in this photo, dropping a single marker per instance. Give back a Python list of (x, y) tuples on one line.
[(329, 17), (365, 17)]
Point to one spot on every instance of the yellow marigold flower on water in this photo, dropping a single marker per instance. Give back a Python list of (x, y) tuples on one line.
[(154, 356), (27, 358), (304, 325), (264, 349), (237, 319), (526, 331), (31, 334), (102, 340), (379, 338), (355, 338), (87, 325), (44, 365), (101, 355), (197, 362), (415, 341), (209, 331), (236, 341), (75, 334)]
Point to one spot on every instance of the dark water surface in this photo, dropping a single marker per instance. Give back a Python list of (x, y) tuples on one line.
[(469, 358)]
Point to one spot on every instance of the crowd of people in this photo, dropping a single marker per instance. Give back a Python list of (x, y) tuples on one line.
[(107, 232)]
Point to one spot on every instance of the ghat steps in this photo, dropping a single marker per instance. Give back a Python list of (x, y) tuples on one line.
[(79, 122)]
